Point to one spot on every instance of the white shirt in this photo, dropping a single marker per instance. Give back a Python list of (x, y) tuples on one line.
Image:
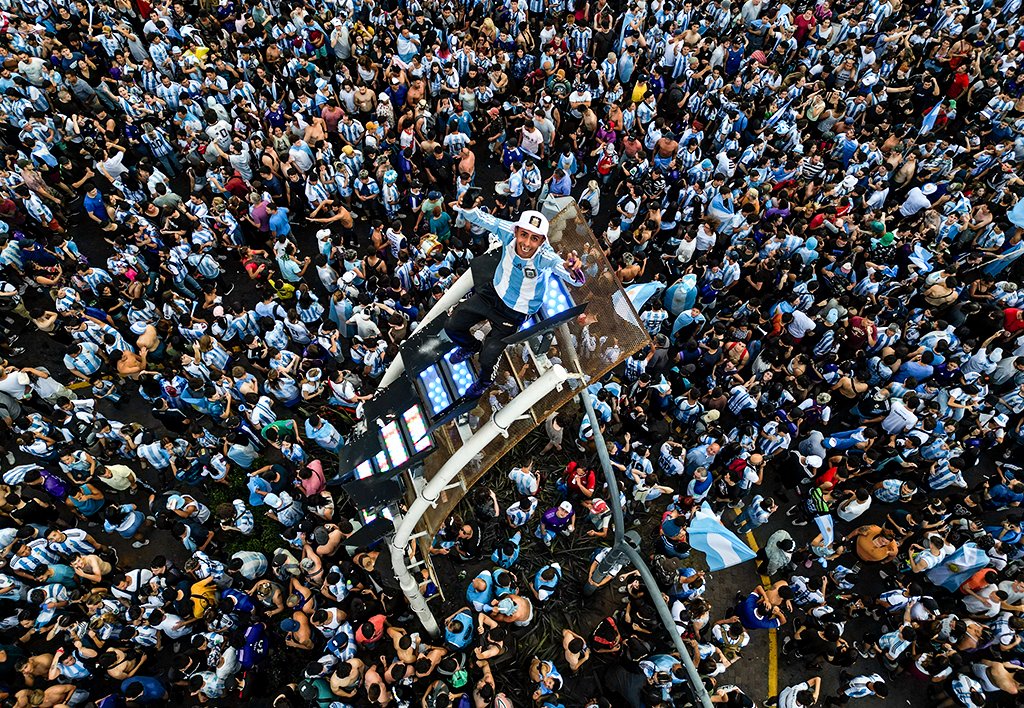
[(916, 201), (850, 510), (787, 699), (705, 239), (168, 627), (15, 384), (900, 419), (801, 325)]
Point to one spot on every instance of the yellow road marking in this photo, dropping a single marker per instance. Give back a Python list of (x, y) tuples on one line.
[(773, 635)]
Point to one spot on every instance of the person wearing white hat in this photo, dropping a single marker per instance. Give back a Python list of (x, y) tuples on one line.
[(917, 199), (515, 292)]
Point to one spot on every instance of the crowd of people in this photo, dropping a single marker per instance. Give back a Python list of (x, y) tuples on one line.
[(219, 222)]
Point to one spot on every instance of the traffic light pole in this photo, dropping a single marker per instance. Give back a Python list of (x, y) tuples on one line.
[(623, 546)]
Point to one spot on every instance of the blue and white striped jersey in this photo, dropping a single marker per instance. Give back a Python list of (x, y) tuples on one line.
[(520, 282)]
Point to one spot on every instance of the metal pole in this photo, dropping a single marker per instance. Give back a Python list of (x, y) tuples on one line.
[(638, 562), (499, 424), (606, 464)]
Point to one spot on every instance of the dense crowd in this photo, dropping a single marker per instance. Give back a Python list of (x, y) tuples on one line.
[(227, 217)]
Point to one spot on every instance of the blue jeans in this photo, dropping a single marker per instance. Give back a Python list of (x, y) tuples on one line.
[(842, 441), (170, 163), (188, 287), (745, 522)]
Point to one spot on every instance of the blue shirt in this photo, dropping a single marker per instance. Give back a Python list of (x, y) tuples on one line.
[(481, 599), (94, 205), (326, 436), (152, 689), (913, 368), (460, 640), (279, 224)]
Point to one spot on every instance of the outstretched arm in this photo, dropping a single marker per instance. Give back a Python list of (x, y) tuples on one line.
[(503, 229)]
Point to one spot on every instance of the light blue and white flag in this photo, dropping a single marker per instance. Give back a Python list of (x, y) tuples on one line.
[(777, 115), (922, 258), (721, 547), (641, 293), (682, 294), (958, 566), (929, 119), (1016, 215), (827, 528)]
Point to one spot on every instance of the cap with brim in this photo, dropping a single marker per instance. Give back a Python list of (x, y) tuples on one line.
[(321, 535), (307, 689), (711, 416), (534, 222)]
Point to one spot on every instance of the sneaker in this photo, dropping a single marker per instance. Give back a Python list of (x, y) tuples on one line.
[(478, 388), (140, 544), (460, 355)]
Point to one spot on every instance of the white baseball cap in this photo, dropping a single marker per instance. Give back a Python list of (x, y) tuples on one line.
[(814, 461), (533, 221)]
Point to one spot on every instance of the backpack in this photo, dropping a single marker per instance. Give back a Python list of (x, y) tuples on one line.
[(665, 570)]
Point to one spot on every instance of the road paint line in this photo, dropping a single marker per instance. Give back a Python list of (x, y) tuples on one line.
[(773, 634)]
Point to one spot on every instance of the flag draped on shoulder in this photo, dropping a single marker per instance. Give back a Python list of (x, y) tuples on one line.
[(641, 293)]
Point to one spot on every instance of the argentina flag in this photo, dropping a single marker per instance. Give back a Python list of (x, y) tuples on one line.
[(640, 293), (929, 119), (721, 547)]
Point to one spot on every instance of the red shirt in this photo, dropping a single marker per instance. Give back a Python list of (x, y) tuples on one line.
[(804, 25), (1012, 321), (961, 81), (377, 622), (861, 331)]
